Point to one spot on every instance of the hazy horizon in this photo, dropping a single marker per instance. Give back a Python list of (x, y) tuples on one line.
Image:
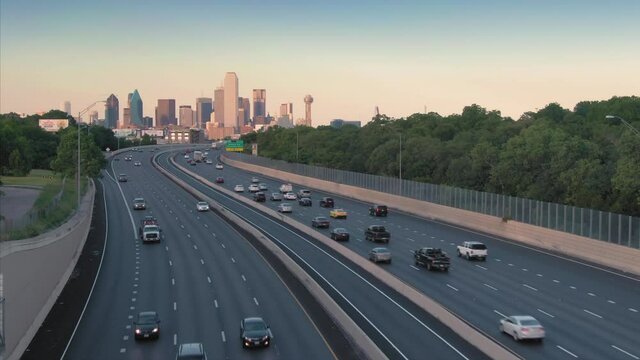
[(503, 55)]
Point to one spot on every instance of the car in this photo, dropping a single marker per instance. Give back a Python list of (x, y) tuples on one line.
[(255, 180), (147, 325), (263, 187), (276, 196), (304, 193), (191, 351), (202, 206), (254, 188), (220, 180), (127, 158), (209, 162), (305, 202), (320, 222), (139, 204), (290, 196), (193, 163), (254, 332), (189, 161), (116, 159), (378, 210), (339, 234), (239, 188), (326, 202), (522, 327), (206, 153), (259, 197), (338, 213), (137, 163), (122, 178), (219, 166), (186, 156), (285, 208), (380, 254)]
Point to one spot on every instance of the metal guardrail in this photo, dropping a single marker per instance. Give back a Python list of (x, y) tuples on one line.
[(600, 225)]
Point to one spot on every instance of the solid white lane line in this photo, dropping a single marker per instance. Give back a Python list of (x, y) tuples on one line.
[(546, 313), (529, 287), (209, 279), (215, 303), (592, 313), (490, 287), (256, 301), (244, 278), (611, 301), (482, 267), (224, 339), (499, 313), (452, 287), (415, 268), (567, 351), (591, 294), (175, 339), (634, 310), (625, 352)]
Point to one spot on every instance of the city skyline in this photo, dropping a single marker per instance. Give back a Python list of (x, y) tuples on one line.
[(503, 55)]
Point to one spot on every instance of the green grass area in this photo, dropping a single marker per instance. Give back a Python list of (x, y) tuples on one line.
[(36, 177), (51, 213)]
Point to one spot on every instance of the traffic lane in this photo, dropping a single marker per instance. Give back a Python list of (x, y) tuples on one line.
[(101, 331), (241, 292), (379, 314), (415, 231)]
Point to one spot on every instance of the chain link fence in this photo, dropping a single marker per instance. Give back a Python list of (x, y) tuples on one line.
[(600, 225)]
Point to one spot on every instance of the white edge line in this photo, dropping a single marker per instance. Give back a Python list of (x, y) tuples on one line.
[(625, 352), (95, 280)]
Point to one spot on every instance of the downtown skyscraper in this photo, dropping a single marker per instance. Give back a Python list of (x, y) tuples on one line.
[(218, 105), (259, 102), (135, 109), (111, 112), (204, 108), (166, 112), (231, 101)]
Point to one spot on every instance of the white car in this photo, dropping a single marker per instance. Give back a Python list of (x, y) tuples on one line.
[(254, 188), (290, 196), (186, 156), (522, 327), (285, 208), (219, 166), (262, 187), (255, 180), (239, 188), (209, 162), (202, 206)]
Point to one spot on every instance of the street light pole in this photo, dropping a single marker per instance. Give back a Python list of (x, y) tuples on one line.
[(629, 126), (297, 147)]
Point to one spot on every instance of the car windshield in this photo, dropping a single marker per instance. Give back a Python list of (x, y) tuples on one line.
[(254, 325), (147, 318), (529, 322), (380, 250), (478, 246), (202, 203), (340, 231), (321, 219), (138, 201)]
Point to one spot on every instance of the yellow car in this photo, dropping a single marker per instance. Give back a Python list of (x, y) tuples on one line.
[(338, 214)]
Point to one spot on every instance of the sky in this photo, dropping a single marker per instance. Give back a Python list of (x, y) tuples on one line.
[(351, 56)]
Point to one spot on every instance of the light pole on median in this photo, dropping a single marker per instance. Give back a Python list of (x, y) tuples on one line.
[(629, 126)]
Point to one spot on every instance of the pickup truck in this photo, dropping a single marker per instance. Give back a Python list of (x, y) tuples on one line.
[(473, 250), (150, 233), (285, 188), (432, 258), (377, 233)]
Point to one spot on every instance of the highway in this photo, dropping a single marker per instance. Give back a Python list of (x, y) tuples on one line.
[(202, 279), (588, 312), (401, 330)]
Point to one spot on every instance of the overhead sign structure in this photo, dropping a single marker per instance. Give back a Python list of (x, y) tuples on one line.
[(237, 145)]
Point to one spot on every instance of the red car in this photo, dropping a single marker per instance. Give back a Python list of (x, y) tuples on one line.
[(220, 180)]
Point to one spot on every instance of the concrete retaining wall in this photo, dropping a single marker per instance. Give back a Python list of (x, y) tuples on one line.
[(610, 255), (35, 271)]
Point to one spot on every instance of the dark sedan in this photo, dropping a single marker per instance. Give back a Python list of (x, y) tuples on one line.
[(326, 202), (147, 325), (305, 202), (320, 222), (254, 332), (259, 197), (340, 234), (220, 180)]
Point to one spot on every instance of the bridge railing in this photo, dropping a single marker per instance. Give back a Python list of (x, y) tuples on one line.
[(595, 224)]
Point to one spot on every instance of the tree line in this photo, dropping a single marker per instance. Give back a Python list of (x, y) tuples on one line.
[(575, 157)]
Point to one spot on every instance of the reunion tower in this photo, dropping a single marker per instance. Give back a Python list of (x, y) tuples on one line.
[(308, 100)]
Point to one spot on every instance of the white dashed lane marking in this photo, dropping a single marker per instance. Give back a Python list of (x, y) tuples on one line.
[(452, 287), (625, 352), (209, 279), (244, 278), (592, 313), (546, 313), (256, 301), (567, 351), (490, 287), (481, 267), (529, 287)]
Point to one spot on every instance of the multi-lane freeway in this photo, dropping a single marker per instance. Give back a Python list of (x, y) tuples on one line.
[(588, 312)]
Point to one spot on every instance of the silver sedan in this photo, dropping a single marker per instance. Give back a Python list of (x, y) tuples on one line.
[(522, 327), (380, 254)]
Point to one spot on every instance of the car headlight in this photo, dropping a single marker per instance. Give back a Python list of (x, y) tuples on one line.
[(155, 330), (137, 331), (266, 337)]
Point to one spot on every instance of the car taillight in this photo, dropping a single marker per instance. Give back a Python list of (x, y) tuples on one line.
[(524, 330)]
